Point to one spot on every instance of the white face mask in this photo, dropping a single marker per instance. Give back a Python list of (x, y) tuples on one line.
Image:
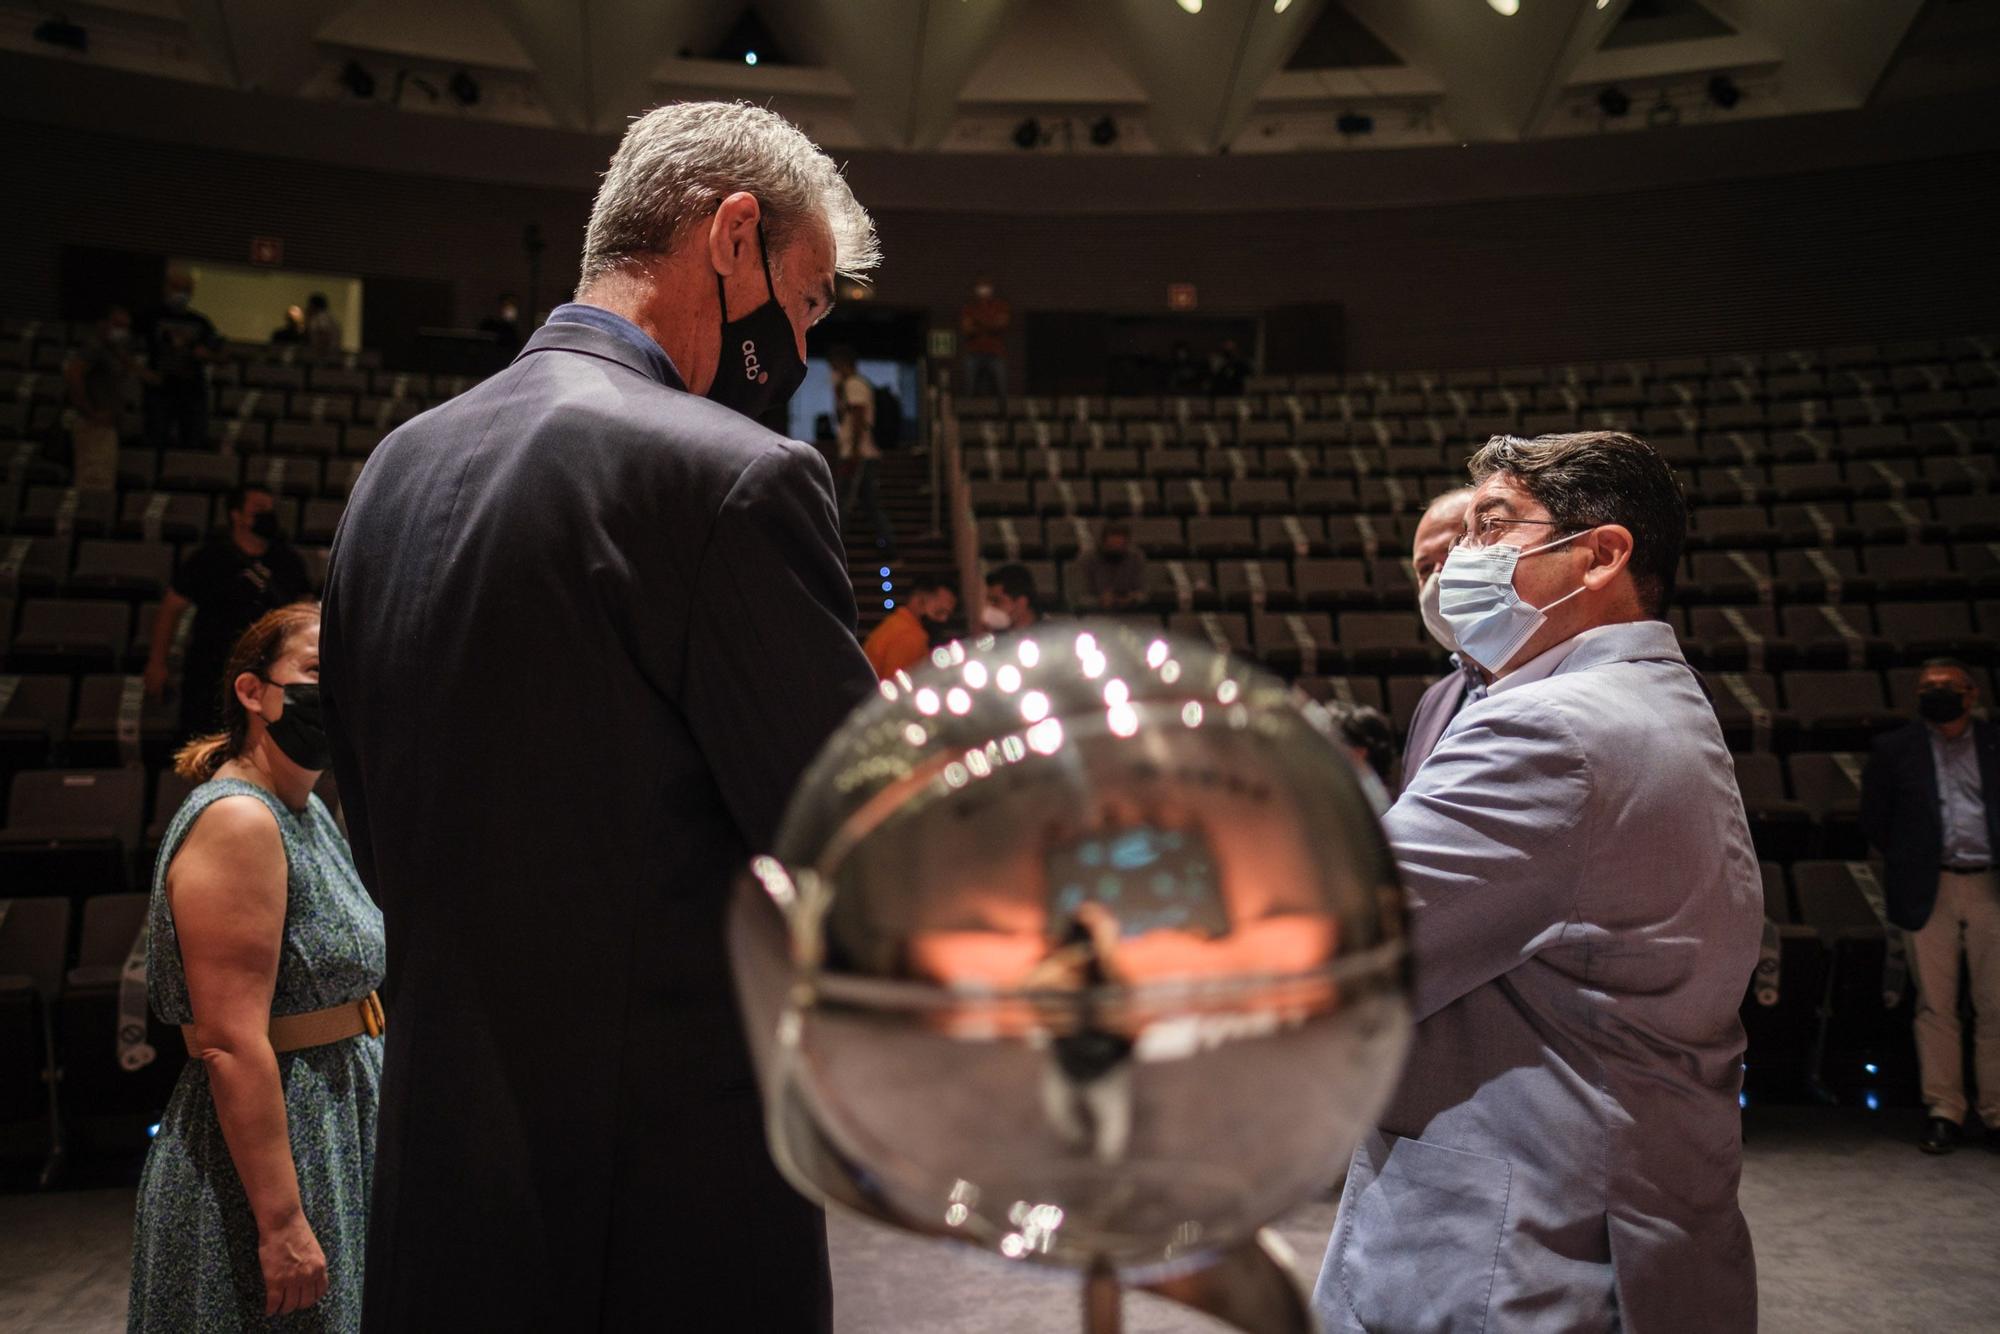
[(1477, 600), (995, 619), (1434, 621)]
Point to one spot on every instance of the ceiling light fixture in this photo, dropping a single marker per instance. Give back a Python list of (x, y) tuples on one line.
[(1028, 134), (1191, 6), (1612, 101), (464, 89), (1722, 91), (1281, 6), (357, 80), (1104, 132), (1505, 8)]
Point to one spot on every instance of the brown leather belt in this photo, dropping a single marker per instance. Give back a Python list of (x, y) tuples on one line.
[(317, 1028)]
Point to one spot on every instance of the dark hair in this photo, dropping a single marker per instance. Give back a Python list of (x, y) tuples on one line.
[(929, 583), (1595, 477), (258, 647), (233, 498), (1115, 528), (1364, 727), (317, 301), (840, 354), (1013, 580)]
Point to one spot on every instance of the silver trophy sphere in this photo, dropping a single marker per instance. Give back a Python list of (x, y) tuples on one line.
[(1083, 947)]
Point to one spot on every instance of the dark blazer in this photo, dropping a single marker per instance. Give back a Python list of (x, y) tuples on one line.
[(1900, 814), (582, 633), (1439, 705)]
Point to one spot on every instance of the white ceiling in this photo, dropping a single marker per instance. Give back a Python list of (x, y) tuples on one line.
[(961, 75)]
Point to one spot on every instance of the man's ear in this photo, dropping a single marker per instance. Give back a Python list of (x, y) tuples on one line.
[(732, 231), (1610, 554)]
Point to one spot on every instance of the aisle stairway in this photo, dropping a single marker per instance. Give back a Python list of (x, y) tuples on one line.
[(905, 486)]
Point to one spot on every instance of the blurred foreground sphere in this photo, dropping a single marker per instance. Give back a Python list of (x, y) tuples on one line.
[(1081, 946)]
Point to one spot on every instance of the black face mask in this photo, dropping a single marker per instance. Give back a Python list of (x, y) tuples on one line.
[(1940, 704), (758, 367), (265, 526), (299, 733)]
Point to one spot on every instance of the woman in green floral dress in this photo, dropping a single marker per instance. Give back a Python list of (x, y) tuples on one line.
[(267, 951)]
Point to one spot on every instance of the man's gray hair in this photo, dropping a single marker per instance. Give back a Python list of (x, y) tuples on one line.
[(677, 163)]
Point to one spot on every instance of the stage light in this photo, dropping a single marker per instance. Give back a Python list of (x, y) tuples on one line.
[(1104, 132), (749, 57), (1028, 134), (1353, 123), (1722, 91), (357, 80), (61, 32), (1613, 101), (1505, 8), (464, 89)]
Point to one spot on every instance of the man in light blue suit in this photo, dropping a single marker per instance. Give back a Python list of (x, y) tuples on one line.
[(1563, 1152)]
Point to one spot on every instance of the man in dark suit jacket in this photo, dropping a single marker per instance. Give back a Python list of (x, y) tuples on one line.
[(1442, 525), (584, 628), (1927, 804)]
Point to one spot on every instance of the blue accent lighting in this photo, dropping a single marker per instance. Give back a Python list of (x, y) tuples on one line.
[(885, 572), (1742, 1100), (1871, 1102), (888, 587), (749, 57), (1871, 1068), (889, 604)]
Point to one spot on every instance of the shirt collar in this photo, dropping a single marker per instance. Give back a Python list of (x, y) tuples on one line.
[(1544, 664), (597, 317)]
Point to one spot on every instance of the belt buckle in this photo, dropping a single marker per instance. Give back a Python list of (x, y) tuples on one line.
[(373, 1021)]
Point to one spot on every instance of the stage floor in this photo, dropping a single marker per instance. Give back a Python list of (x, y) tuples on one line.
[(1855, 1230)]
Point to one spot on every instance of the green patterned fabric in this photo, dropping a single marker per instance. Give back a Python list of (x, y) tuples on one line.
[(194, 1246)]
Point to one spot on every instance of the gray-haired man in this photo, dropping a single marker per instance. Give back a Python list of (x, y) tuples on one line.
[(585, 625)]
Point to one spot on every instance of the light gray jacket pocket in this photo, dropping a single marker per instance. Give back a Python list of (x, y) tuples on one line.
[(1418, 1240)]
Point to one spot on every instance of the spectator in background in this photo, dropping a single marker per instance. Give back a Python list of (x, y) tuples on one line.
[(180, 345), (322, 329), (1227, 370), (293, 331), (229, 581), (1372, 742), (860, 457), (1011, 600), (1113, 576), (266, 950), (99, 375), (903, 639), (1927, 803), (1185, 374), (1440, 528), (982, 332), (505, 324)]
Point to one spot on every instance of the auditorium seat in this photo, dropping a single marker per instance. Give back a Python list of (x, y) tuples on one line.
[(1736, 638), (1384, 641), (1227, 631), (60, 635), (1254, 584), (105, 1106), (117, 723), (62, 511), (32, 564), (185, 470), (1779, 826), (169, 791), (283, 475), (121, 569), (164, 516), (1832, 636), (1295, 643), (1173, 583), (1828, 785), (1841, 900), (34, 943), (1343, 689), (1837, 710), (1333, 584), (34, 721), (72, 831), (1919, 630)]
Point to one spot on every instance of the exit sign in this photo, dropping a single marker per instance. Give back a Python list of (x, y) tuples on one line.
[(943, 344), (267, 250), (1180, 296)]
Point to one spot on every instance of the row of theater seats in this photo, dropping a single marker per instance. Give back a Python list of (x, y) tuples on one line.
[(63, 1090)]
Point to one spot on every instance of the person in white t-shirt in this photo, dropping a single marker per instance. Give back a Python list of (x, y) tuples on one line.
[(860, 457)]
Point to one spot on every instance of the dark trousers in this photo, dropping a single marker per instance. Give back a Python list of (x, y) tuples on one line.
[(177, 415), (865, 488)]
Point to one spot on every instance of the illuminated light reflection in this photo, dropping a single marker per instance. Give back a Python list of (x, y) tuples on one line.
[(1093, 666), (1014, 1245), (915, 734), (1029, 653), (1008, 678), (1045, 737), (776, 881), (1226, 693), (1116, 692), (888, 689), (1013, 749), (1086, 645), (903, 678), (977, 763), (955, 775), (1156, 653), (1034, 706), (958, 700), (940, 657), (927, 701), (1170, 671), (957, 651), (1123, 720), (956, 1215), (975, 675), (1191, 713)]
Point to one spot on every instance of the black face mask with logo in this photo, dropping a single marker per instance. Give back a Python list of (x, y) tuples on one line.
[(1940, 704), (267, 527), (759, 366), (300, 731)]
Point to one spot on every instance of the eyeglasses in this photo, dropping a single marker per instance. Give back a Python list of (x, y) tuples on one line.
[(1487, 528)]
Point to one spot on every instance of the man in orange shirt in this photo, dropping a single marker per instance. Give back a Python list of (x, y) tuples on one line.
[(982, 330), (904, 638)]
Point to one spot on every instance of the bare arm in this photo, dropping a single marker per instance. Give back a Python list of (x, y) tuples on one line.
[(226, 889), (172, 607)]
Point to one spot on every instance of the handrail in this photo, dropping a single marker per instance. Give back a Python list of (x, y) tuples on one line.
[(964, 529)]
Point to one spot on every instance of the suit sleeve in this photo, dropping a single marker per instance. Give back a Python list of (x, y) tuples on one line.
[(1490, 840), (1878, 798), (772, 664)]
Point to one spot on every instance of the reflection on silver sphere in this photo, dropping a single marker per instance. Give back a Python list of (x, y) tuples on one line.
[(1080, 946)]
